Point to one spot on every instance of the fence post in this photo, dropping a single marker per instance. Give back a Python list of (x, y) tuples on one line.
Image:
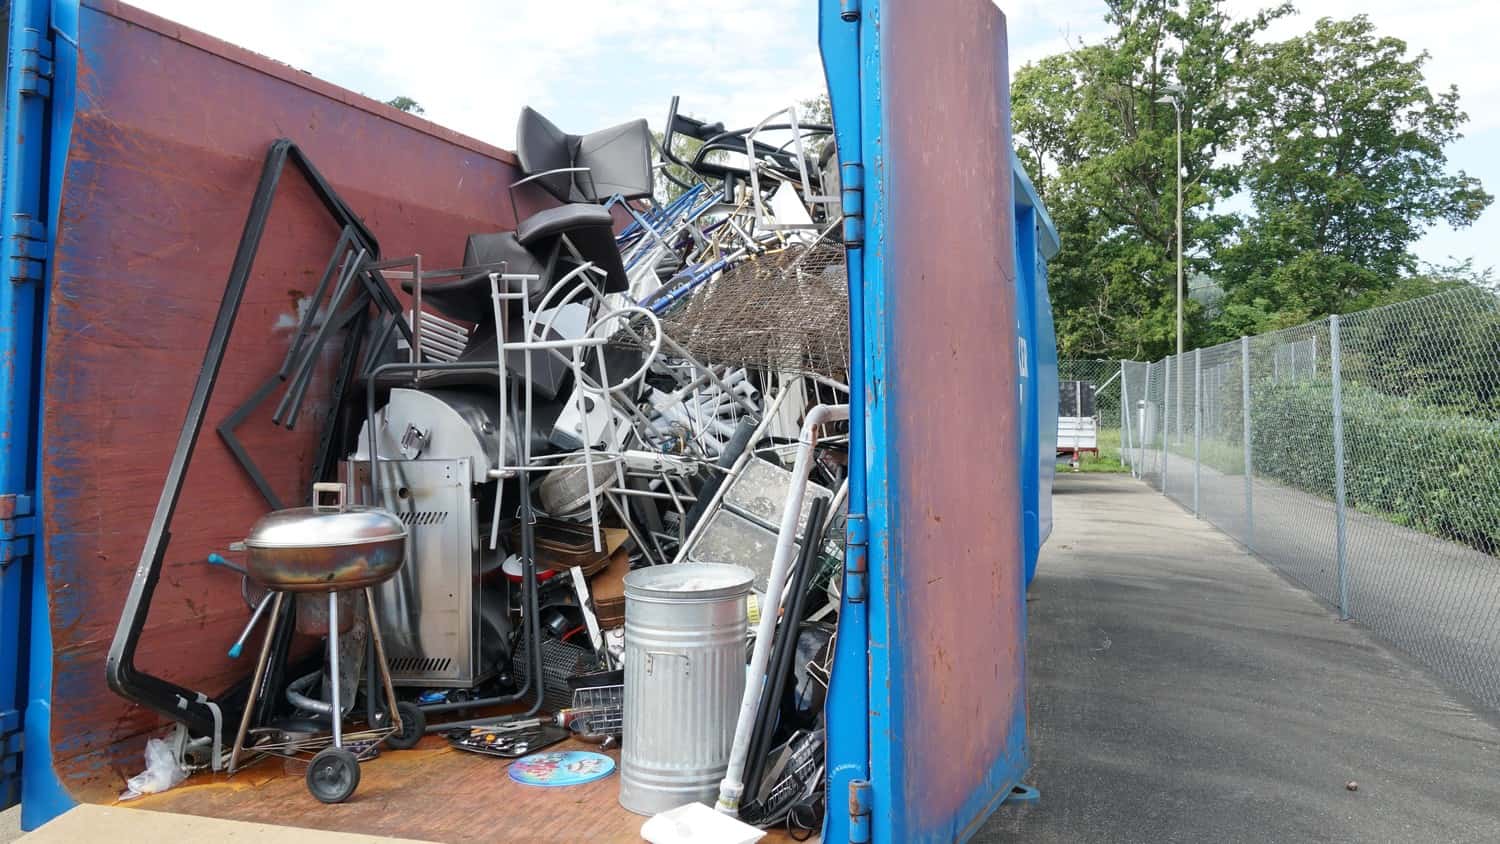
[(1197, 426), (1127, 436), (1340, 541), (1166, 416), (1249, 466), (1124, 409)]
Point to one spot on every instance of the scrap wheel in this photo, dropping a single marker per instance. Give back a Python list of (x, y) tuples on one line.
[(333, 775), (413, 727)]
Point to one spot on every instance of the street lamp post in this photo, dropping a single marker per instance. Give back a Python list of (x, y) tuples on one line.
[(1174, 97)]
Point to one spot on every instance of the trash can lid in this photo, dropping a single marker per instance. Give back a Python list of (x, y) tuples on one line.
[(689, 581)]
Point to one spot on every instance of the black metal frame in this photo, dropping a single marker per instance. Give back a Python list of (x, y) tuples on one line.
[(195, 709)]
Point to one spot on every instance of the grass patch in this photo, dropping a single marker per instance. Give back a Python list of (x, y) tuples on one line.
[(1108, 460)]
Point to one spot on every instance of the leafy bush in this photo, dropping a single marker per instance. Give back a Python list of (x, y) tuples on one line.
[(1435, 470)]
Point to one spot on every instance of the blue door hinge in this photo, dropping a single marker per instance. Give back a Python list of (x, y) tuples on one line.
[(859, 811), (849, 10), (17, 526), (36, 64), (852, 180), (28, 249), (856, 557)]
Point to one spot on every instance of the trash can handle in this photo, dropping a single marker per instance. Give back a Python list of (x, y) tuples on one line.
[(687, 662)]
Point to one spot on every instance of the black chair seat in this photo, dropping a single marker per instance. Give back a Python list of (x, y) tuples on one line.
[(590, 228), (468, 298), (544, 225)]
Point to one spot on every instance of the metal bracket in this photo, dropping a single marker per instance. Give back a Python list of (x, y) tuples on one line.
[(859, 811), (1022, 793), (28, 249), (852, 182), (856, 557), (36, 64), (17, 526)]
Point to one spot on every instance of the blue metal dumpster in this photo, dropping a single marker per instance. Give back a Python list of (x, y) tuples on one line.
[(1036, 241), (131, 147)]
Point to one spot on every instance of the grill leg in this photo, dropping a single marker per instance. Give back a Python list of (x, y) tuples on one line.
[(333, 667), (260, 676), (380, 663)]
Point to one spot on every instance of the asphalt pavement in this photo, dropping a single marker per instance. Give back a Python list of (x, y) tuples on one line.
[(1181, 690)]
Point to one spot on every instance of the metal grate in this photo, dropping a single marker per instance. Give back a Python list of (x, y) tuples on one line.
[(425, 517), (600, 710), (786, 310), (420, 665)]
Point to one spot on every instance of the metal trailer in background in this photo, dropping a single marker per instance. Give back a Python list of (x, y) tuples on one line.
[(132, 146)]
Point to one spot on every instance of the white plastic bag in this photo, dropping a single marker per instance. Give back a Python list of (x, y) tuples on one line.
[(162, 771), (695, 823)]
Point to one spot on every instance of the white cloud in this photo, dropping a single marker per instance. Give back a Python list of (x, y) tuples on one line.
[(473, 64), (591, 63)]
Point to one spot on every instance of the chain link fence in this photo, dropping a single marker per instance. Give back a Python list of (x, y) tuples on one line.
[(1360, 455), (1104, 375)]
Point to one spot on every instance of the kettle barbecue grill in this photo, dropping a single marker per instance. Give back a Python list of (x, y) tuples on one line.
[(308, 552)]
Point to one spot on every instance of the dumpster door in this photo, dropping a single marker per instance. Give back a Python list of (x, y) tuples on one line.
[(23, 249), (947, 692)]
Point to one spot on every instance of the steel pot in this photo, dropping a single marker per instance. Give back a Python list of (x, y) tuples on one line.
[(325, 547)]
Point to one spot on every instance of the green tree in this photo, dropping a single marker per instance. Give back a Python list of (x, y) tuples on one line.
[(1346, 168), (406, 104), (1101, 149)]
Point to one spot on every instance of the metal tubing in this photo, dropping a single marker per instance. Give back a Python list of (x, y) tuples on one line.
[(256, 679), (260, 609), (336, 715), (1341, 533), (1249, 467), (125, 678), (1128, 432), (380, 662), (1166, 419), (733, 785), (1197, 427)]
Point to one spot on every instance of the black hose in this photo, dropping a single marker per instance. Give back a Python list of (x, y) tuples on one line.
[(731, 453)]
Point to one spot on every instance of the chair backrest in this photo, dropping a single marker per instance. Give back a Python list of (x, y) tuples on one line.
[(618, 158), (541, 146)]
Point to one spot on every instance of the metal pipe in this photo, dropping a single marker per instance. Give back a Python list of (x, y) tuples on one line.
[(1341, 539), (333, 667), (260, 609), (733, 785), (255, 682)]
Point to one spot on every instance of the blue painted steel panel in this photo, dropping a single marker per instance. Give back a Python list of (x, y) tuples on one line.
[(1036, 241), (23, 247), (43, 796), (947, 709), (848, 752)]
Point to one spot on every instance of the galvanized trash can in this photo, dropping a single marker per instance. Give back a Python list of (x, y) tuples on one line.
[(685, 630)]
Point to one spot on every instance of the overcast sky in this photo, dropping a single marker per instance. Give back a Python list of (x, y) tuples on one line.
[(587, 64)]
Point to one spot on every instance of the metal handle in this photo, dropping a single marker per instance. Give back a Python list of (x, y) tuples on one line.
[(687, 662), (338, 490)]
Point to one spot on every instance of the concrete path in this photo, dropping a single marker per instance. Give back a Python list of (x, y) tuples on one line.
[(120, 825), (1183, 691)]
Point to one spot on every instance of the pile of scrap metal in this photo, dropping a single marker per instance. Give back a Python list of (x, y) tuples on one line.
[(626, 381)]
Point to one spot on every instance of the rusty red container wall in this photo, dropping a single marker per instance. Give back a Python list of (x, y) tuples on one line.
[(170, 131), (948, 730)]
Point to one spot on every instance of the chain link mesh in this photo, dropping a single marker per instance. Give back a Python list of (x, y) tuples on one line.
[(1412, 551), (1104, 375)]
